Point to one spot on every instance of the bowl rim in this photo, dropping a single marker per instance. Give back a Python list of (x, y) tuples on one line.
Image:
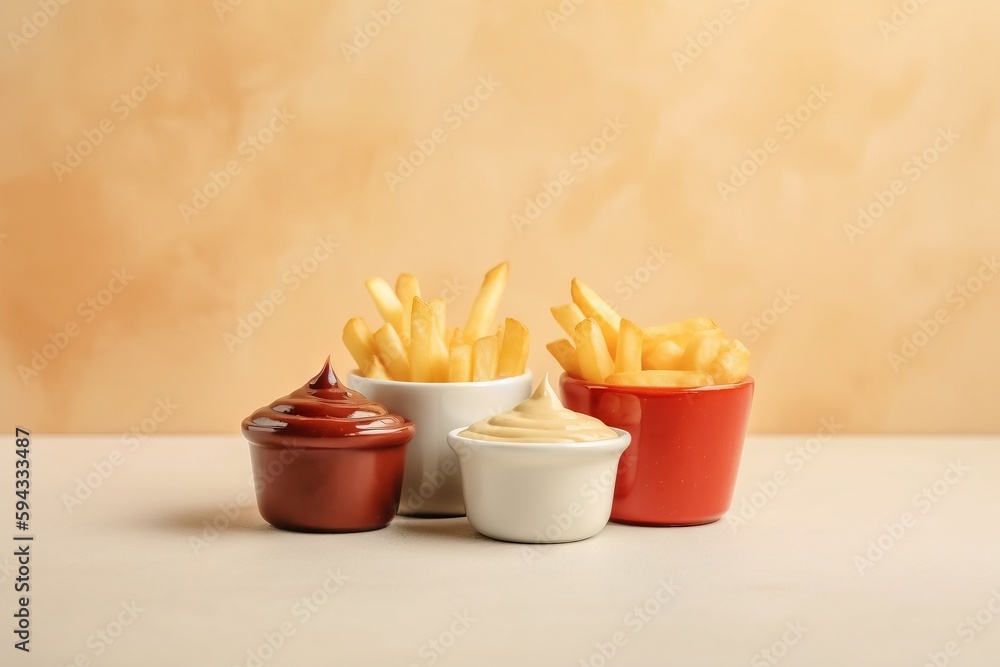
[(495, 382), (566, 378), (622, 440)]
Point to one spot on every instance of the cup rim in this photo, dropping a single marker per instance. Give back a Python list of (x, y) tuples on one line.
[(356, 373), (565, 378), (620, 442)]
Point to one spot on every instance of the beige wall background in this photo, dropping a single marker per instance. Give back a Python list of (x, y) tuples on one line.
[(277, 124)]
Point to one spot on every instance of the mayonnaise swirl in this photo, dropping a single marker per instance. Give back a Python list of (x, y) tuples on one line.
[(541, 418)]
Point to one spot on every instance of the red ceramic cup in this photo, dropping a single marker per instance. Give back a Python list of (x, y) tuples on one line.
[(680, 468)]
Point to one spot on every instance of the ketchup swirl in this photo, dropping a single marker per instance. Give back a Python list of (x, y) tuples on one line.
[(321, 414)]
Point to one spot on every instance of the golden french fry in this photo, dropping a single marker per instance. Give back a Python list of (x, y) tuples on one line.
[(388, 304), (407, 287), (440, 317), (568, 316), (391, 352), (456, 337), (439, 353), (428, 354), (650, 344), (665, 357), (732, 363), (628, 354), (656, 378), (484, 358), (376, 370), (359, 341), (565, 354), (460, 363), (592, 305), (592, 351), (702, 350), (513, 356), (688, 326), (484, 308)]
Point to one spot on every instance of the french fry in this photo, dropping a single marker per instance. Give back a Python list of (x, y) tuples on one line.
[(686, 353), (665, 357), (428, 354), (568, 316), (359, 341), (656, 378), (439, 351), (688, 326), (515, 344), (376, 370), (415, 343), (565, 354), (391, 352), (440, 317), (484, 308), (702, 350), (407, 287), (592, 351), (680, 332), (484, 358), (421, 340), (460, 363), (592, 305), (732, 363), (628, 354), (388, 304)]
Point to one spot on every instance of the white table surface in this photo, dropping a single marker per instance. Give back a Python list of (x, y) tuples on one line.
[(739, 589)]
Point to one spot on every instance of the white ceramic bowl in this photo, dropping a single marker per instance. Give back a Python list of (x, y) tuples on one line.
[(432, 479), (538, 493)]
